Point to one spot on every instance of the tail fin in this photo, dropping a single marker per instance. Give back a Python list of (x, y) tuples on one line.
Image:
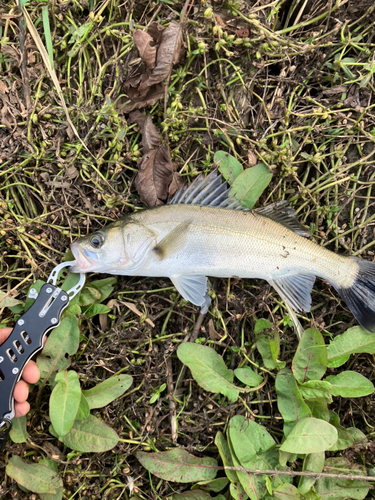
[(360, 297)]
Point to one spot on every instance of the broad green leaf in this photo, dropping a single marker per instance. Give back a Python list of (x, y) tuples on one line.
[(96, 309), (36, 478), (350, 384), (355, 340), (64, 401), (90, 435), (88, 296), (84, 408), (226, 457), (314, 462), (310, 359), (310, 435), (341, 489), (319, 408), (237, 492), (18, 433), (249, 185), (192, 495), (105, 287), (357, 435), (8, 301), (268, 343), (248, 439), (344, 439), (109, 390), (289, 400), (286, 491), (254, 486), (48, 462), (228, 166), (214, 485), (178, 465), (62, 342), (248, 376), (208, 369), (313, 389)]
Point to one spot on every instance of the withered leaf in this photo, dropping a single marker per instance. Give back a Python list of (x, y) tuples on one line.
[(175, 185), (146, 51), (139, 100), (156, 31), (151, 137), (169, 53), (155, 175)]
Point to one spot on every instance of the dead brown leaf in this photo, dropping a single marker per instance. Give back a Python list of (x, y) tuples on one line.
[(146, 51), (155, 175), (151, 137), (146, 87), (169, 53)]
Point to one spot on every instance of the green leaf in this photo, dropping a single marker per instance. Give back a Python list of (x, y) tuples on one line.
[(228, 166), (315, 389), (96, 309), (314, 462), (253, 485), (47, 34), (214, 485), (355, 340), (357, 435), (36, 478), (286, 491), (310, 435), (319, 408), (88, 296), (8, 301), (84, 409), (268, 343), (289, 400), (62, 341), (341, 489), (310, 359), (208, 369), (236, 491), (248, 439), (350, 384), (226, 457), (248, 376), (105, 287), (178, 465), (64, 401), (18, 433), (249, 185), (192, 495), (90, 435), (109, 390)]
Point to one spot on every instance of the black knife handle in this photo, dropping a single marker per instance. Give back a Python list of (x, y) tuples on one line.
[(25, 340)]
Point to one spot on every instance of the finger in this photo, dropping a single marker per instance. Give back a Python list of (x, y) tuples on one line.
[(4, 334), (21, 391), (31, 373), (21, 409)]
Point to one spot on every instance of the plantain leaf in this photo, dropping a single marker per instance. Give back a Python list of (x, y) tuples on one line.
[(249, 185), (64, 401), (350, 384), (355, 340), (228, 166), (109, 390), (310, 359), (310, 435)]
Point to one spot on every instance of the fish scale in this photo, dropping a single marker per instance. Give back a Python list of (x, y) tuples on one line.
[(197, 235)]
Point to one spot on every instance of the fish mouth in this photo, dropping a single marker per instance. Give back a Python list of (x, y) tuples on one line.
[(84, 259)]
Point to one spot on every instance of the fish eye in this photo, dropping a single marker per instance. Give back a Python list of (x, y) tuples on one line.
[(97, 240)]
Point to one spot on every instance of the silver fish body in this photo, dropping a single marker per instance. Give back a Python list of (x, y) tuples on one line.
[(193, 238)]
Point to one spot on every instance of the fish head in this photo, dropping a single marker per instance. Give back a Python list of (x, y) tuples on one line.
[(119, 248)]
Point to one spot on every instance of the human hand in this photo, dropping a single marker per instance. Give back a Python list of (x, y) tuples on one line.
[(30, 375)]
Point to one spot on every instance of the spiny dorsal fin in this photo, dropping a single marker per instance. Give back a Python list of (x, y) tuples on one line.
[(209, 191), (285, 215)]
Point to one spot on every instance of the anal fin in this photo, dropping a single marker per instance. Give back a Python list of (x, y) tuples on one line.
[(296, 290), (194, 289)]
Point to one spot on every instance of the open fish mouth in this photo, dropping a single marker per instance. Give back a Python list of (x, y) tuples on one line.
[(84, 259)]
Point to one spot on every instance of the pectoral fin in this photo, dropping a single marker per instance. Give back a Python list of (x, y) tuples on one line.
[(173, 242), (296, 290), (194, 289)]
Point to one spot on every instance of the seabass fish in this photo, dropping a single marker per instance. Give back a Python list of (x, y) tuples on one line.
[(204, 232)]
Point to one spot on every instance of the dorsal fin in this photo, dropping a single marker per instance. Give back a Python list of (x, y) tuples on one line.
[(285, 215), (208, 191)]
